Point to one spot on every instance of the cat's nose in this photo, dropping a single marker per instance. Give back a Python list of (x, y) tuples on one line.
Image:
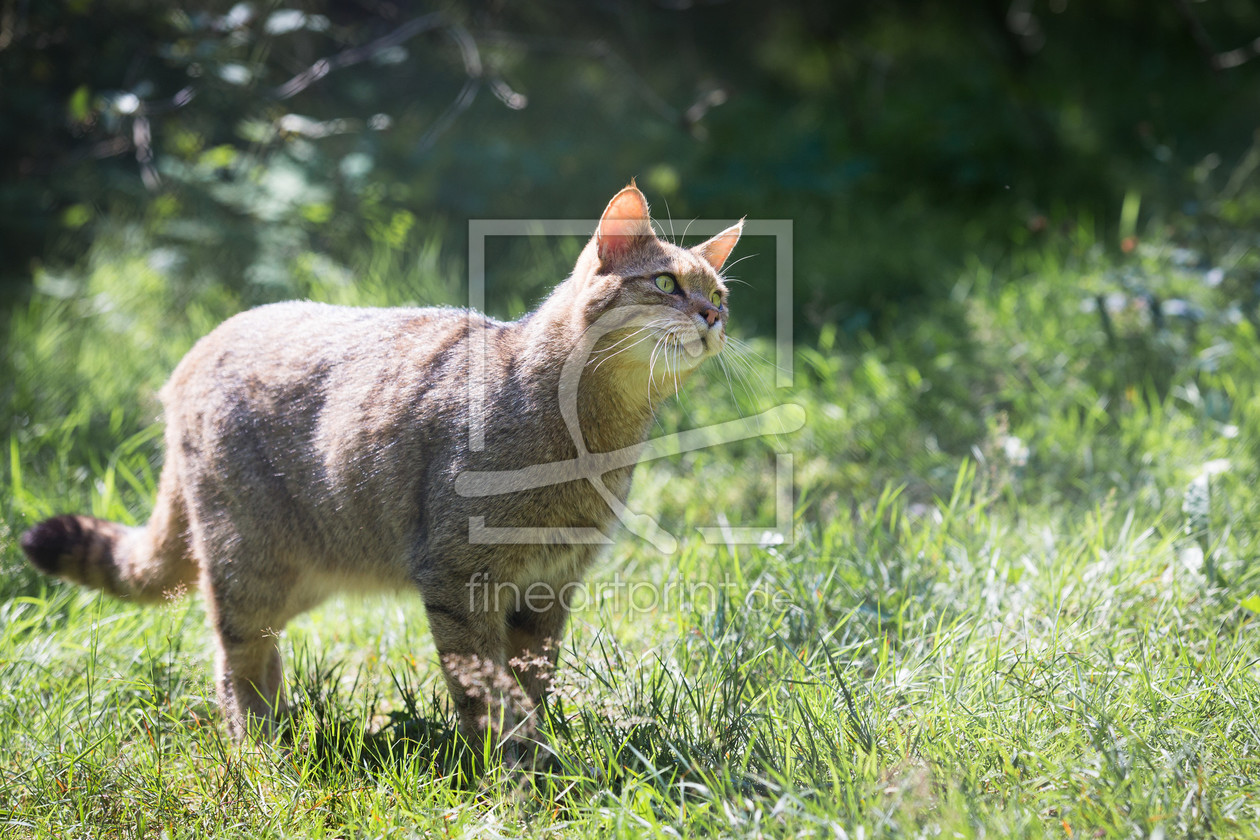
[(710, 316)]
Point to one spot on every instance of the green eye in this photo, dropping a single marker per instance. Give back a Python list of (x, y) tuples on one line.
[(665, 282), (716, 298)]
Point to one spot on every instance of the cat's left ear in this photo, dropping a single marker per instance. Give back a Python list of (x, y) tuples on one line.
[(716, 250), (624, 226)]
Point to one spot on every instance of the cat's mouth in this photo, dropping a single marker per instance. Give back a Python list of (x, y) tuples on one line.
[(688, 345), (665, 348)]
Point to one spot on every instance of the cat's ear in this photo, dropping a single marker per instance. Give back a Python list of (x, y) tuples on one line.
[(624, 225), (716, 250)]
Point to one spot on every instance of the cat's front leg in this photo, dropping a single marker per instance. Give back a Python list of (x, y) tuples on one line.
[(533, 645), (471, 641)]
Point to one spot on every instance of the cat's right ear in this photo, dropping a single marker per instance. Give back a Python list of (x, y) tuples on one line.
[(717, 249), (624, 226)]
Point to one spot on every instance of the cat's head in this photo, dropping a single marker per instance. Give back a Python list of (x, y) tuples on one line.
[(676, 296)]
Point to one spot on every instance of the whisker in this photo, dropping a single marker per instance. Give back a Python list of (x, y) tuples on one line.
[(740, 356), (729, 385), (652, 364), (659, 322), (747, 374), (619, 352), (751, 375), (595, 354), (751, 395), (745, 347), (676, 347), (740, 260), (673, 359)]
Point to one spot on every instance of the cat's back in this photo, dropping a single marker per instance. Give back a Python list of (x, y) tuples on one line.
[(296, 346), (278, 374)]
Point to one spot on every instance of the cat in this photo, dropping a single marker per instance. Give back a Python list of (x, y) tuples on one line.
[(312, 449)]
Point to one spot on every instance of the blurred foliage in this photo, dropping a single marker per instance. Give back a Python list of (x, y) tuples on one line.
[(250, 142)]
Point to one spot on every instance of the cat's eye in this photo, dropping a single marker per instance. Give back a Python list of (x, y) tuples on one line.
[(716, 298), (665, 282)]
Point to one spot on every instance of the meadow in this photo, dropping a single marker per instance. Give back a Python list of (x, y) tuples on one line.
[(1018, 598)]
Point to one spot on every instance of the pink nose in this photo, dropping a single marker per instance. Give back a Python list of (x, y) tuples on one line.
[(711, 316)]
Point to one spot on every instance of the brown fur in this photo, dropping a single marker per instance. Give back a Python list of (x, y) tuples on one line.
[(313, 449)]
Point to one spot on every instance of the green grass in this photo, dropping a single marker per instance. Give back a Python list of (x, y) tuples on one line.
[(1020, 600)]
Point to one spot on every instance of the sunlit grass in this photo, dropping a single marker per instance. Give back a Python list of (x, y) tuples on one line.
[(1019, 601)]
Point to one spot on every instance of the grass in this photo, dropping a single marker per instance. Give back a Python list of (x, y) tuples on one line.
[(1020, 600)]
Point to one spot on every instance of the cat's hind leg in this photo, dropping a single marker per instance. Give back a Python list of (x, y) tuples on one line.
[(250, 596), (250, 685), (249, 674)]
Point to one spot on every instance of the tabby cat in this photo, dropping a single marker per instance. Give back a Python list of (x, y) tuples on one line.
[(312, 449)]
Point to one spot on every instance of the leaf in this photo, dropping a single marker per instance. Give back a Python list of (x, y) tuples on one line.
[(79, 108)]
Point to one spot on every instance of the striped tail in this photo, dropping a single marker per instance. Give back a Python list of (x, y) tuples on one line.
[(121, 560)]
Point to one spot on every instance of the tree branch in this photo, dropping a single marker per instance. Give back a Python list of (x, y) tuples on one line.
[(1216, 60)]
